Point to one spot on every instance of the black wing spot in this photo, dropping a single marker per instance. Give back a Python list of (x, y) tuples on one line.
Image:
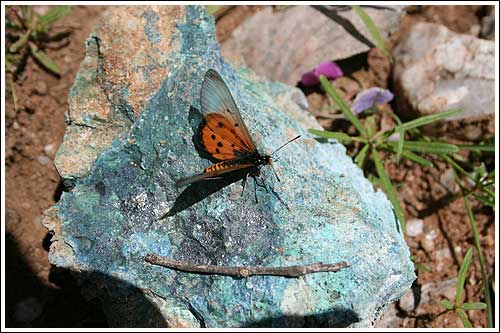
[(220, 125), (219, 144), (233, 145), (213, 136), (217, 150), (236, 125), (227, 110)]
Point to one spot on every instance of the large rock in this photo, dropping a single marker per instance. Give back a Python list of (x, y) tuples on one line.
[(284, 44), (111, 218), (437, 69)]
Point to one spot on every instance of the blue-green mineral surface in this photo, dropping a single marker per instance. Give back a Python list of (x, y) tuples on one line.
[(116, 210)]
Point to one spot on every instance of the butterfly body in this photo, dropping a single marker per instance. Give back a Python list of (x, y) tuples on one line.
[(224, 135)]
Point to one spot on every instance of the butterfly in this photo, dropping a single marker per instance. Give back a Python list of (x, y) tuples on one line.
[(225, 137)]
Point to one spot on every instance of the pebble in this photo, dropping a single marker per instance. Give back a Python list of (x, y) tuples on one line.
[(414, 227), (407, 302), (44, 160), (40, 88), (428, 241), (50, 149), (27, 310)]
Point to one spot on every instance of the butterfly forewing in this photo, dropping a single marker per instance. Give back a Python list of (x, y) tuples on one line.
[(217, 99)]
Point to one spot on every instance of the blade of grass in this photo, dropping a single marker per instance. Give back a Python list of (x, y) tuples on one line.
[(428, 119), (408, 155), (14, 95), (343, 106), (474, 306), (439, 148), (485, 148), (361, 156), (400, 146), (389, 189), (20, 42), (477, 242), (463, 317), (462, 275), (44, 59), (372, 28), (336, 135)]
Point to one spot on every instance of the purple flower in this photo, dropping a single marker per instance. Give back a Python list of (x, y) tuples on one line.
[(369, 98), (329, 69)]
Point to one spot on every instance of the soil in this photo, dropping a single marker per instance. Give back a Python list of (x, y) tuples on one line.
[(33, 133), (35, 130)]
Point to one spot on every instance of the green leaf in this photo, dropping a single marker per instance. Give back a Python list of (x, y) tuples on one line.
[(409, 155), (20, 43), (462, 275), (370, 125), (361, 156), (343, 105), (463, 317), (54, 14), (447, 304), (372, 28), (415, 158), (211, 9), (486, 148), (474, 306), (389, 189), (439, 148), (340, 136), (44, 59), (428, 119)]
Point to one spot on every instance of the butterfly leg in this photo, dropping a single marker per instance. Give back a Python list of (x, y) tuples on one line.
[(263, 181), (243, 183), (255, 189)]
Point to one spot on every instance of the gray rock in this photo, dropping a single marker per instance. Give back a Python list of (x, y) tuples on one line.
[(112, 217), (282, 45), (437, 69)]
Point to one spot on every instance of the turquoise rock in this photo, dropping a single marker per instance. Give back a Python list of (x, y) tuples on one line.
[(116, 213)]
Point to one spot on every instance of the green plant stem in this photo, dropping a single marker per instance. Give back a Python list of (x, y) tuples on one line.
[(477, 242), (14, 95)]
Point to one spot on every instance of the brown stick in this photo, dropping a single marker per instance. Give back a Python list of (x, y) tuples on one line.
[(244, 271)]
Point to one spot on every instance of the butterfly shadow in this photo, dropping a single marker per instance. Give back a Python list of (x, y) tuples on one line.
[(196, 192)]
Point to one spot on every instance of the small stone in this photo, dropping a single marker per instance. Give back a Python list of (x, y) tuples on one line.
[(447, 179), (414, 227), (428, 241), (43, 160), (50, 149), (27, 310), (407, 302), (443, 254), (40, 88)]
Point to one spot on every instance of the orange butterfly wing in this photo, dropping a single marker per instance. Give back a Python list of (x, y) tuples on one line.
[(223, 134), (221, 139)]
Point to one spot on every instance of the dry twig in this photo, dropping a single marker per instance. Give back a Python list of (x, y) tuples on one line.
[(244, 271)]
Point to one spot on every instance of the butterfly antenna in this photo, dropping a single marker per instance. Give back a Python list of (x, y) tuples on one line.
[(298, 136)]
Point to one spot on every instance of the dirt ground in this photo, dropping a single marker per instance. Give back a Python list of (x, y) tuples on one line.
[(39, 295)]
